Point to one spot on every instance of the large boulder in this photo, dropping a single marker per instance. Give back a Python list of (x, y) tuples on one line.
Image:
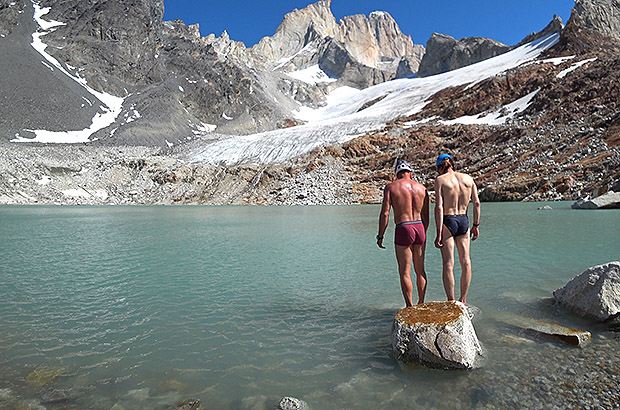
[(609, 200), (436, 334), (595, 293)]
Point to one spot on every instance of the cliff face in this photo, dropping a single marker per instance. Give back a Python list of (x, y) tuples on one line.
[(113, 43), (444, 53), (602, 16)]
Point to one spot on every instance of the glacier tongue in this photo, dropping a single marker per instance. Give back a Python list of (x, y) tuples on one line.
[(340, 120)]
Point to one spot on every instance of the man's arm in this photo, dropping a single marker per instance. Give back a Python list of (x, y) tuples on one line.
[(475, 231), (438, 215), (384, 216), (425, 211)]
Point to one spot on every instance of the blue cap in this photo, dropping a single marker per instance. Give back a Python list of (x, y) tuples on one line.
[(442, 157)]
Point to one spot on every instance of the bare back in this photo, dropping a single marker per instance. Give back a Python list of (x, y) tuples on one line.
[(456, 191), (407, 198)]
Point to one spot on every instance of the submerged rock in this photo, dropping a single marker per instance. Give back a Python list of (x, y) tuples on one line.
[(41, 377), (552, 331), (189, 405), (436, 334), (595, 293)]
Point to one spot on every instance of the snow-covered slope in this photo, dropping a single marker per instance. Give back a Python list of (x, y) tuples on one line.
[(341, 119)]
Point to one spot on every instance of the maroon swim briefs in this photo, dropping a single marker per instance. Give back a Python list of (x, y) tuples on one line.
[(409, 233)]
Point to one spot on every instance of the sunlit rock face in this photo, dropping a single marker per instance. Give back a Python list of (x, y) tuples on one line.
[(444, 53), (602, 16)]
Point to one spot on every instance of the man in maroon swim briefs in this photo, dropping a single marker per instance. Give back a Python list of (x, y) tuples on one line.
[(409, 199), (408, 233)]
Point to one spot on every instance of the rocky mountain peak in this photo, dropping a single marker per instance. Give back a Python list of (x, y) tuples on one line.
[(391, 40), (555, 26), (297, 27), (594, 26), (376, 40)]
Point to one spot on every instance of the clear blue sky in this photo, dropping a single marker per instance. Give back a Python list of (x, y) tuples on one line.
[(507, 21)]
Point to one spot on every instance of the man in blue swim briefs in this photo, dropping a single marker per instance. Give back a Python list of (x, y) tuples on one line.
[(453, 192), (410, 202)]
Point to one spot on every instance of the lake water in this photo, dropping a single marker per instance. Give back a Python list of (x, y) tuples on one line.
[(144, 307)]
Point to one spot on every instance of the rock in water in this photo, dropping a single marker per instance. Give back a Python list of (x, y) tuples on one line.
[(610, 200), (291, 403), (551, 331), (42, 377), (595, 293), (436, 334), (191, 404)]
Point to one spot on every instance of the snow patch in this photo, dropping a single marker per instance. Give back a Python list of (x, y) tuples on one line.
[(99, 121), (410, 124), (202, 128), (132, 114), (226, 117), (557, 60), (497, 117), (45, 179), (575, 66), (312, 75), (378, 14), (308, 49), (39, 12)]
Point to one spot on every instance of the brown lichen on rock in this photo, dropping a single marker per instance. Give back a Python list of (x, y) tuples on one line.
[(431, 312)]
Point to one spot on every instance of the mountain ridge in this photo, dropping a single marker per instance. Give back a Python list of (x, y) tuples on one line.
[(568, 100)]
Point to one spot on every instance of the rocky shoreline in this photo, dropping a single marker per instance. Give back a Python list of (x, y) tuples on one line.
[(351, 173)]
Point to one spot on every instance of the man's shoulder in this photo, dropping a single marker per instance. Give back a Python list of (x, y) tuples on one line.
[(442, 178), (417, 185), (390, 184), (463, 176)]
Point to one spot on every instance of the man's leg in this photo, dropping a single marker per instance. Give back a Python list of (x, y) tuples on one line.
[(462, 246), (403, 257), (447, 255), (420, 272)]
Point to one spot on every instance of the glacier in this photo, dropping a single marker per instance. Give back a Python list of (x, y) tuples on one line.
[(342, 119)]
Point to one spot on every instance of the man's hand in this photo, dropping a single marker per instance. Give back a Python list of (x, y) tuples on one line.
[(474, 233), (380, 243), (438, 242)]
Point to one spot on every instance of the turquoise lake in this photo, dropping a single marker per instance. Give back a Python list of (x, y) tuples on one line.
[(144, 307)]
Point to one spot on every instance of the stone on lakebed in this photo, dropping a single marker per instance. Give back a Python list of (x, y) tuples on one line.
[(551, 331), (292, 403), (595, 293), (436, 334)]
